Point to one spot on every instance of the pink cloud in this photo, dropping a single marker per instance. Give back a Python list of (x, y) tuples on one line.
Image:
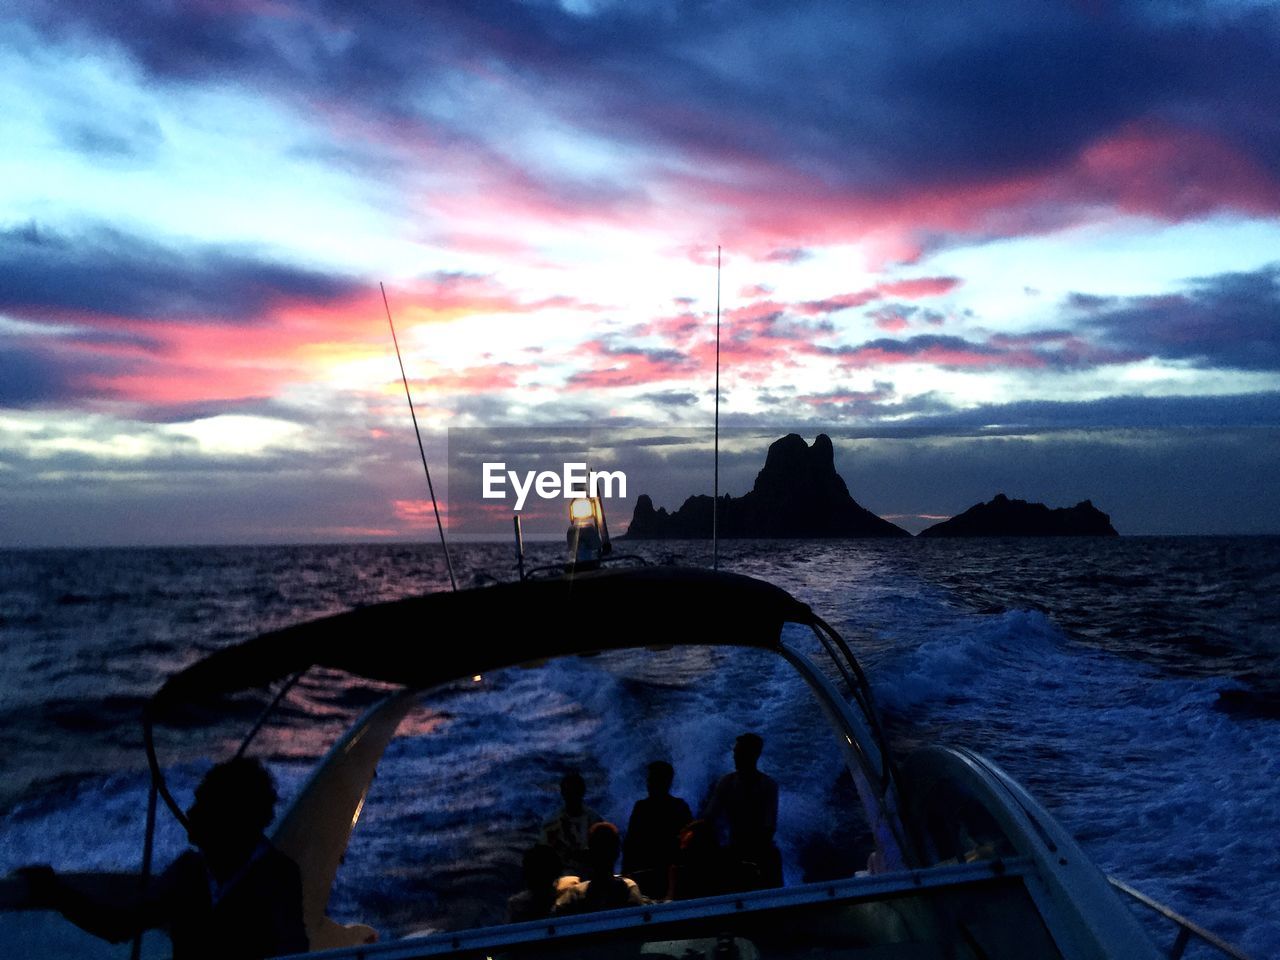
[(888, 318), (973, 357), (1148, 169), (612, 366), (419, 513), (910, 289), (918, 287)]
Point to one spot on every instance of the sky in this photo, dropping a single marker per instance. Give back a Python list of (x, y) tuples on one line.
[(1012, 247)]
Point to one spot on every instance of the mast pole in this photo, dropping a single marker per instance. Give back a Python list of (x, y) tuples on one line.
[(715, 499), (448, 562)]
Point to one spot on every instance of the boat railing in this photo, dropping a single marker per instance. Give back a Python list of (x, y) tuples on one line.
[(551, 570), (660, 921), (1187, 929), (860, 689)]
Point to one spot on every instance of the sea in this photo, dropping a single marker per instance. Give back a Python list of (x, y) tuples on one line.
[(1131, 684)]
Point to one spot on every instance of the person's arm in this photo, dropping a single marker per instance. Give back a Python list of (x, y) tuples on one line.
[(684, 812), (771, 807), (634, 897), (715, 806), (117, 918), (289, 926), (629, 842)]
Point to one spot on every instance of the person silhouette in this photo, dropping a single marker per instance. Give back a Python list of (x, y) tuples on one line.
[(653, 831), (703, 869), (234, 896), (746, 803), (566, 831), (543, 885), (601, 889)]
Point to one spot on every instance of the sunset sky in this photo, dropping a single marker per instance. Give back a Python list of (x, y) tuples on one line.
[(1018, 247)]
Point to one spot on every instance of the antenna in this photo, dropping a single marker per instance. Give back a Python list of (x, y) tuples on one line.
[(715, 498), (418, 433)]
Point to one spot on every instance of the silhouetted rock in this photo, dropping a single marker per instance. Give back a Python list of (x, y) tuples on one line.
[(797, 494), (1003, 517)]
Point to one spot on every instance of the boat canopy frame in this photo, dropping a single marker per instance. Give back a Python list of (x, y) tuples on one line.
[(601, 610), (652, 607)]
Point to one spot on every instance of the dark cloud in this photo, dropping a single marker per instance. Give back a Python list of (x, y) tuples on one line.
[(37, 371), (1240, 410), (31, 377), (670, 398), (788, 255), (1043, 350), (105, 273), (865, 96), (1231, 320)]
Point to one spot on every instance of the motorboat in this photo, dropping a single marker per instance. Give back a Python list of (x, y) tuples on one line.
[(963, 862)]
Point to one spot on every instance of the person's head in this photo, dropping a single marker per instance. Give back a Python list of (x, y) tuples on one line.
[(541, 866), (660, 777), (234, 804), (746, 751), (573, 790), (603, 847)]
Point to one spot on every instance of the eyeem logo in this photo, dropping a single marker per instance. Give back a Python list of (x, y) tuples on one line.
[(574, 480)]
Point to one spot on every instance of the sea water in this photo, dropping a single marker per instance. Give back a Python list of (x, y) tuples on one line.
[(1131, 684)]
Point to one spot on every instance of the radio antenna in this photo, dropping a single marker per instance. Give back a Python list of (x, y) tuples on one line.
[(418, 433), (715, 499)]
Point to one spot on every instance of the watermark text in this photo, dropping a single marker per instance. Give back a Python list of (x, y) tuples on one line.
[(574, 480)]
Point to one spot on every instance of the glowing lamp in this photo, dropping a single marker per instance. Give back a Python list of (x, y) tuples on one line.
[(582, 510)]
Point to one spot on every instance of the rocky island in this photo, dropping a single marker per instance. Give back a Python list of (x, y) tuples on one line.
[(797, 494), (1002, 517)]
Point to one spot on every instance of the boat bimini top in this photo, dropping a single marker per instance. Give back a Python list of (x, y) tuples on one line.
[(415, 642)]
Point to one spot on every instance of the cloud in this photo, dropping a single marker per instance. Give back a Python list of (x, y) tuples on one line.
[(101, 272), (913, 288), (787, 255), (32, 377), (894, 317), (617, 365), (670, 398), (113, 317), (117, 320), (1052, 351), (1231, 320), (114, 140), (786, 126), (1037, 417)]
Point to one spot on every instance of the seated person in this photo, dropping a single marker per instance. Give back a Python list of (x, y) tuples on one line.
[(702, 868), (601, 889), (653, 832), (543, 885), (566, 831), (235, 896), (746, 802)]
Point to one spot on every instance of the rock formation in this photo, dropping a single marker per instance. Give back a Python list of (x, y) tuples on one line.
[(797, 494), (1003, 517)]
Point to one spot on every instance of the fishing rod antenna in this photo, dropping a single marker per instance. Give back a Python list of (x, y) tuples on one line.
[(448, 562)]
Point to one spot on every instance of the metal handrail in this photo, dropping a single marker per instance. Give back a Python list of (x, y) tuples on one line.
[(1186, 928), (861, 690)]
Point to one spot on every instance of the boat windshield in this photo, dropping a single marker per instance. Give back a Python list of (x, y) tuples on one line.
[(476, 778)]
